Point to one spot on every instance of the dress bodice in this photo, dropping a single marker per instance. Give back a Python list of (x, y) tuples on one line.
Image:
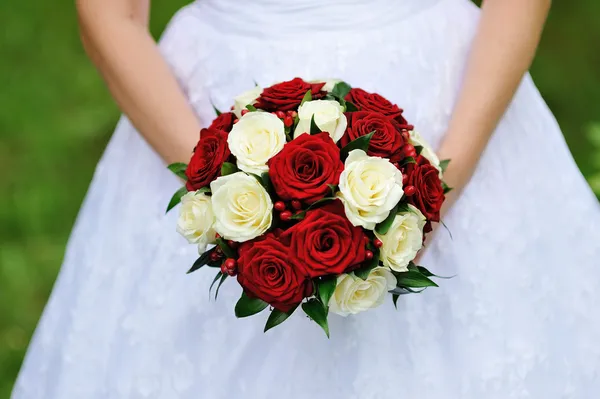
[(290, 17)]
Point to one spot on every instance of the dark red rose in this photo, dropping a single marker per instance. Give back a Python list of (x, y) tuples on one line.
[(223, 122), (210, 153), (366, 101), (304, 168), (287, 96), (268, 270), (326, 242), (387, 141), (429, 195)]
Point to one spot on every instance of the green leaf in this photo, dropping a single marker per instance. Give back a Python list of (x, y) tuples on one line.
[(446, 188), (408, 160), (201, 261), (326, 287), (361, 143), (176, 198), (350, 107), (414, 279), (424, 271), (228, 168), (314, 129), (277, 317), (444, 164), (319, 202), (307, 97), (333, 188), (405, 291), (298, 216), (419, 149), (383, 227), (265, 180), (251, 108), (230, 253), (247, 306), (341, 90), (223, 277), (395, 300), (179, 169), (447, 229), (315, 310), (217, 277), (216, 110), (365, 270)]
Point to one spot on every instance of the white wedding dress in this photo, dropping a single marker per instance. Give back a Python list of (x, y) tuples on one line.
[(519, 320)]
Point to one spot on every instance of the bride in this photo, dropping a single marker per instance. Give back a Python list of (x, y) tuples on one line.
[(519, 320)]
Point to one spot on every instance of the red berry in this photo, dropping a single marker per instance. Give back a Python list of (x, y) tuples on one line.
[(279, 206), (244, 112), (369, 255), (280, 114), (214, 256), (236, 120), (404, 180), (219, 251), (293, 114), (233, 244), (232, 108), (378, 243), (229, 267), (296, 204), (288, 121), (285, 215), (409, 191)]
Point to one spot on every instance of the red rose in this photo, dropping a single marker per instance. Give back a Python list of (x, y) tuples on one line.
[(288, 95), (387, 140), (429, 195), (326, 242), (269, 271), (223, 122), (210, 153), (366, 101), (304, 168)]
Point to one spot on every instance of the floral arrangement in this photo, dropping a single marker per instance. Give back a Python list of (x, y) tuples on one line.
[(314, 195)]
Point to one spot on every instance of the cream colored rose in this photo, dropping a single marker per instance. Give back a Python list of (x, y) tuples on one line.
[(403, 240), (417, 140), (329, 83), (353, 294), (246, 98), (196, 219), (243, 209), (369, 188), (256, 138), (329, 117)]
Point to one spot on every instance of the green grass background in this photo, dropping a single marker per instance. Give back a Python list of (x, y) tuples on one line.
[(56, 117)]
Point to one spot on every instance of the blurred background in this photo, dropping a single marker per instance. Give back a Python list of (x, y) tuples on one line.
[(56, 117)]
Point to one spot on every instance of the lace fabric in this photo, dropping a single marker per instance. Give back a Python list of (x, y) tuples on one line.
[(517, 321)]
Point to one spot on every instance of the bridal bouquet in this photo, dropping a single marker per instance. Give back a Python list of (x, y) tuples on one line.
[(314, 194)]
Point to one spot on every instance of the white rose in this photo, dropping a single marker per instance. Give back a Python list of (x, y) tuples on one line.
[(256, 138), (329, 117), (246, 98), (417, 140), (369, 188), (243, 208), (196, 219), (403, 240), (353, 294), (329, 83)]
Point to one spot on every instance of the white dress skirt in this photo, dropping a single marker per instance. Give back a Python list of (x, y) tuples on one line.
[(519, 320)]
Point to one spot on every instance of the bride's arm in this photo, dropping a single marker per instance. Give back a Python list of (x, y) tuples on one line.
[(503, 49), (115, 36)]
